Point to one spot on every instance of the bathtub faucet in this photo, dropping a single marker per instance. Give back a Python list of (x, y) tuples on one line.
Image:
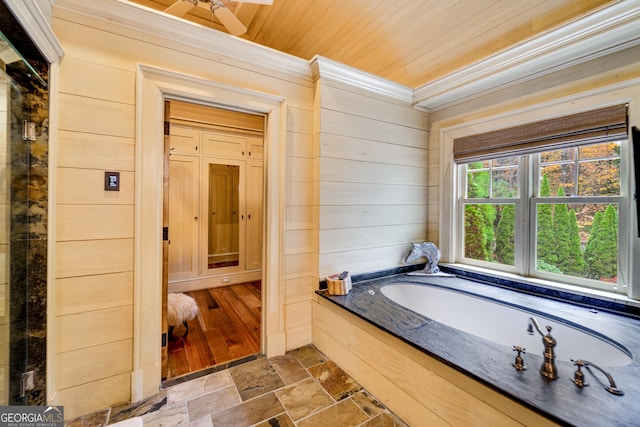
[(548, 368), (578, 378)]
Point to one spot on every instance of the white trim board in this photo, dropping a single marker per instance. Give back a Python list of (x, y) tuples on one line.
[(329, 69)]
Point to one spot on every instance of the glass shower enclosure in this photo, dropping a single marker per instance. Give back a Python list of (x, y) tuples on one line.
[(23, 216)]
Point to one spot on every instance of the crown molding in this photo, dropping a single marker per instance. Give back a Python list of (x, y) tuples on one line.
[(35, 18), (598, 34), (339, 72), (172, 29)]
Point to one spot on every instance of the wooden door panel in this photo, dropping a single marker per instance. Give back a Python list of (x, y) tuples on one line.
[(183, 217)]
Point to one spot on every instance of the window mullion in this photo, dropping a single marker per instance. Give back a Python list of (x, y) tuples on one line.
[(577, 200), (522, 243), (490, 179)]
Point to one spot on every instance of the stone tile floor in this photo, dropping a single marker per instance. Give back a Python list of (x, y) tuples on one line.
[(302, 388)]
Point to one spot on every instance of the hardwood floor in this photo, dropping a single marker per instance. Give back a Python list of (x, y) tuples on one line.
[(227, 328)]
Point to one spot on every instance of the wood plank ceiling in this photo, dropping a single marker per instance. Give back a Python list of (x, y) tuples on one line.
[(411, 42)]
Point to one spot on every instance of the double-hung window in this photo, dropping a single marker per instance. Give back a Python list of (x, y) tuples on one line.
[(548, 199)]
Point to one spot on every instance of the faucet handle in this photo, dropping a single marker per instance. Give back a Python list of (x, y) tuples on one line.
[(578, 376), (519, 363)]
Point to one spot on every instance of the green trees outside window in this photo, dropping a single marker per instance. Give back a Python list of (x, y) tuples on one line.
[(576, 223), (565, 246)]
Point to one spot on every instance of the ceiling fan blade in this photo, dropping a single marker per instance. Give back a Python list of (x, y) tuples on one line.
[(268, 2), (181, 7), (229, 20)]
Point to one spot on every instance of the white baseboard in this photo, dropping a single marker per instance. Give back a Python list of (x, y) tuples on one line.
[(145, 382), (215, 281)]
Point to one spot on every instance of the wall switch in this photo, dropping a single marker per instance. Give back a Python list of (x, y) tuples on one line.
[(112, 181)]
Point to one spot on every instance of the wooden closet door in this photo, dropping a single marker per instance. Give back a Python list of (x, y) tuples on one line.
[(183, 217)]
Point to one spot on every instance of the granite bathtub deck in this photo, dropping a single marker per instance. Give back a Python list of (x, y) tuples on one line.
[(303, 388), (491, 364)]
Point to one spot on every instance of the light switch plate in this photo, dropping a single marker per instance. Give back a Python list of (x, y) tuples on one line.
[(112, 181)]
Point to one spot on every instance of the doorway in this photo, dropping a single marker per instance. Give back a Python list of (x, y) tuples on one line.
[(213, 214), (155, 86)]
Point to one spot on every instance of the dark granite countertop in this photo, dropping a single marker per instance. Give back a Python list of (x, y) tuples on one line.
[(490, 363)]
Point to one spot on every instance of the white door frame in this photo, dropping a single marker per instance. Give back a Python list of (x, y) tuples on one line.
[(154, 85)]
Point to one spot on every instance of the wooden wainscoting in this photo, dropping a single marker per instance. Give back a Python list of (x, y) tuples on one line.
[(227, 328)]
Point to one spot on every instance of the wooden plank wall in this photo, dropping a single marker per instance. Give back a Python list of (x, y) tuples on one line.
[(95, 229), (299, 271), (94, 234), (372, 179), (419, 389)]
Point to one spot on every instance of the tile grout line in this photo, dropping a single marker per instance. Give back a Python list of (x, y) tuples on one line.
[(285, 385), (335, 402), (295, 422), (235, 388), (241, 401), (286, 411)]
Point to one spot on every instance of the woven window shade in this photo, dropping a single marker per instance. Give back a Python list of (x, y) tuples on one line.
[(602, 125)]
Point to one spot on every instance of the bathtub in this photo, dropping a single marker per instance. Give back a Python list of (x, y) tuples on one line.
[(472, 327), (505, 324)]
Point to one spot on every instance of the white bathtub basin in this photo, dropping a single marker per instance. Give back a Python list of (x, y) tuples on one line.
[(504, 324)]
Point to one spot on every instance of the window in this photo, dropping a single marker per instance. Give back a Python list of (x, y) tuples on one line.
[(554, 214), (492, 194)]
